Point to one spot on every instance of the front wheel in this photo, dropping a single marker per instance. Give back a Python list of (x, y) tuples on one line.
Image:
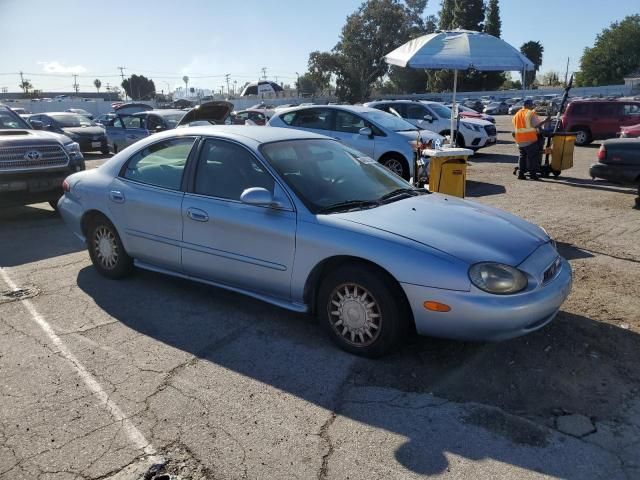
[(583, 137), (106, 250), (397, 165), (359, 311)]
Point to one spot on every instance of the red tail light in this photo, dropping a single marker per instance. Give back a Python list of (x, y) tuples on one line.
[(65, 186), (602, 153)]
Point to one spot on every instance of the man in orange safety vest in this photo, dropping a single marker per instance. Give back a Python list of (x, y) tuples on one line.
[(525, 127)]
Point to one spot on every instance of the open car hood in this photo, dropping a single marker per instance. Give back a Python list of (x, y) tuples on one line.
[(215, 112)]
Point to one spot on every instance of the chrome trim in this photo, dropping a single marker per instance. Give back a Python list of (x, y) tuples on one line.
[(12, 159)]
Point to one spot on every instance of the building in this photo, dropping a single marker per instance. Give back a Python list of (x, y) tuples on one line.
[(632, 81)]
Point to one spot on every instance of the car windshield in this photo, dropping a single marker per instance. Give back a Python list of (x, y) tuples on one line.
[(388, 121), (10, 120), (173, 119), (440, 110), (329, 176), (72, 120)]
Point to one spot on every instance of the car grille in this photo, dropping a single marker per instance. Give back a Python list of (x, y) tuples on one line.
[(550, 273), (51, 156), (491, 130)]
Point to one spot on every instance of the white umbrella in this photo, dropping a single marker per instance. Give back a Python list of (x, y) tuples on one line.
[(261, 87), (459, 50)]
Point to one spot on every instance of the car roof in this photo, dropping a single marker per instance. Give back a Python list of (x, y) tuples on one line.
[(350, 108), (255, 133)]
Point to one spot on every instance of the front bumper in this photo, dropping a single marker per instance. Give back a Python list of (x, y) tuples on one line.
[(89, 145), (479, 316), (33, 187)]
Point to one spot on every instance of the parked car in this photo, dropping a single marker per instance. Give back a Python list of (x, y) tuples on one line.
[(307, 223), (466, 112), (476, 105), (618, 161), (105, 118), (599, 119), (496, 108), (125, 130), (33, 163), (632, 131), (384, 137), (21, 111), (255, 117), (89, 135), (473, 133), (513, 109), (80, 111)]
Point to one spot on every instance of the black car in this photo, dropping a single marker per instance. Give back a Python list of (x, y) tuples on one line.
[(89, 135), (619, 162), (33, 164)]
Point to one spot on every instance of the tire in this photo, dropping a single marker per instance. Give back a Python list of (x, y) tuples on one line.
[(397, 165), (54, 204), (583, 137), (106, 250), (359, 294), (556, 173), (115, 148), (105, 151)]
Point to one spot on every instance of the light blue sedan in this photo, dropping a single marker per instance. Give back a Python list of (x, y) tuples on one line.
[(304, 222)]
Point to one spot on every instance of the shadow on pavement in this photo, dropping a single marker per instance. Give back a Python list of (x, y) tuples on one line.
[(483, 189), (494, 158), (575, 364), (591, 184), (29, 234)]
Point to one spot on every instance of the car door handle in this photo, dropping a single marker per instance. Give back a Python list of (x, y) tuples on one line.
[(197, 215), (116, 196)]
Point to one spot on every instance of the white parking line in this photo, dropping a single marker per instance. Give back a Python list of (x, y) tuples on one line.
[(135, 435)]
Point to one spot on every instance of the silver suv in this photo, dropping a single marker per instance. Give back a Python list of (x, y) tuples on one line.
[(384, 137), (33, 164)]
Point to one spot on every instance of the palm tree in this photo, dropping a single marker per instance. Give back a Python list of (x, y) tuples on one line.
[(26, 85), (533, 51), (97, 83), (185, 79)]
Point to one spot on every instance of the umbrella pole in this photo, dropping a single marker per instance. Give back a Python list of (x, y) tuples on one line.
[(453, 109)]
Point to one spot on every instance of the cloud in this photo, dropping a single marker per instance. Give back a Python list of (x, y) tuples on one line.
[(57, 67)]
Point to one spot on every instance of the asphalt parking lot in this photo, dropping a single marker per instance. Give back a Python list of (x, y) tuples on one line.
[(100, 379)]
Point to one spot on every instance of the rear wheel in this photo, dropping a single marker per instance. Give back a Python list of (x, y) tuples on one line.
[(397, 165), (359, 311), (583, 137), (105, 151), (106, 250)]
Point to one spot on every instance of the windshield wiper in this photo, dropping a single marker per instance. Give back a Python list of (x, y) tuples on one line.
[(401, 192), (349, 205)]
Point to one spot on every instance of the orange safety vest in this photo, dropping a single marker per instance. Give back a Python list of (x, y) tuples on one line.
[(524, 131)]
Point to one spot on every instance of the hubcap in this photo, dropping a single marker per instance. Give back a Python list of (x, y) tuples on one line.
[(581, 137), (354, 314), (395, 166), (105, 247)]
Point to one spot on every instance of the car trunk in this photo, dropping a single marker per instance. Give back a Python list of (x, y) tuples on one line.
[(214, 113)]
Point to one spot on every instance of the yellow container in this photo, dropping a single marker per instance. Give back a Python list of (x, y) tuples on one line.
[(562, 151), (448, 170)]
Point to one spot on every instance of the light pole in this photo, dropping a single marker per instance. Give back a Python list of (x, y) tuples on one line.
[(298, 85)]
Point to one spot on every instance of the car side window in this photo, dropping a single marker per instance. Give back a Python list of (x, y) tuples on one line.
[(154, 122), (46, 121), (288, 118), (632, 109), (608, 110), (160, 164), (416, 112), (316, 118), (226, 169), (580, 109), (348, 123), (132, 122)]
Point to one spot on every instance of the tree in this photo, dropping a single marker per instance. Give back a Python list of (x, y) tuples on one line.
[(306, 85), (469, 15), (97, 83), (533, 51), (139, 87), (25, 85), (492, 23), (614, 54), (550, 79), (446, 14)]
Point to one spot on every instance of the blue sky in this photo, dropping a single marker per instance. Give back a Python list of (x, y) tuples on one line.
[(165, 39)]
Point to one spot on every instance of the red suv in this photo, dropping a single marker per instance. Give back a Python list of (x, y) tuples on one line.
[(599, 119)]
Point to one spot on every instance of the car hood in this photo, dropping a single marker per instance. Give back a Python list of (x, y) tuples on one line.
[(24, 137), (84, 131), (466, 230), (214, 112), (476, 121), (424, 134)]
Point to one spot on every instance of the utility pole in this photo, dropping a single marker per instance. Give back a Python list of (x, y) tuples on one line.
[(226, 77), (76, 87), (264, 73), (109, 90), (566, 73), (298, 84), (122, 75)]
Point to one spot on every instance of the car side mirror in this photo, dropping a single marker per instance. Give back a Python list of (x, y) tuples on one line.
[(366, 131), (159, 128), (258, 196), (36, 124), (428, 118)]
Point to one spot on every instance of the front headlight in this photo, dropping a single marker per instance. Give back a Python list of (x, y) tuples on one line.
[(497, 278), (471, 126), (73, 149)]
